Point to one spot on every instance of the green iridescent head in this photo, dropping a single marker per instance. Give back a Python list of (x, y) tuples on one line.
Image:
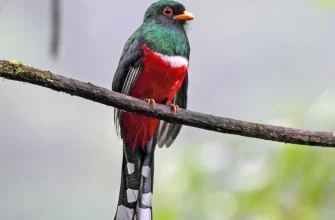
[(167, 12), (163, 28)]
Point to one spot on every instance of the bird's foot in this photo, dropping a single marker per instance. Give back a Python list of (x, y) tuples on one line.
[(149, 101), (175, 108)]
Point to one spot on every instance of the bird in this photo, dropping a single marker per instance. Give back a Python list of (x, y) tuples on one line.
[(153, 67)]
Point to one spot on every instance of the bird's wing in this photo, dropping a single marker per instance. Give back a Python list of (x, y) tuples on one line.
[(168, 131), (130, 67)]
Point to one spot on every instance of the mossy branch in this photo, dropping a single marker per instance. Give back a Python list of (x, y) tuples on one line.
[(19, 72)]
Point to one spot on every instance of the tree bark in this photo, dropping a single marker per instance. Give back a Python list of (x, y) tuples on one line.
[(19, 72)]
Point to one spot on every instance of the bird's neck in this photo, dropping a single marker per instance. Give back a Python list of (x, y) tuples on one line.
[(165, 40)]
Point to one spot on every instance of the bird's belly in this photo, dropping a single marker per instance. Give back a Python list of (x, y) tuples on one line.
[(161, 76), (160, 85), (160, 79)]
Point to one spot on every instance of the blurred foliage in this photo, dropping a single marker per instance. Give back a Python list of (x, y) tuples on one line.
[(326, 3), (298, 184), (297, 189)]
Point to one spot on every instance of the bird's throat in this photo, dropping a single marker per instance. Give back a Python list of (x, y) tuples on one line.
[(165, 60)]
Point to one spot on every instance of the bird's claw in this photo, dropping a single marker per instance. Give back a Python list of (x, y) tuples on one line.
[(149, 101), (175, 108)]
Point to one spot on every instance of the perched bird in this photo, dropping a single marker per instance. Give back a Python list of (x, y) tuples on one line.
[(153, 67)]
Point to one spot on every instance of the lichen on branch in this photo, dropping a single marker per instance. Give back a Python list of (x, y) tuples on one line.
[(17, 71)]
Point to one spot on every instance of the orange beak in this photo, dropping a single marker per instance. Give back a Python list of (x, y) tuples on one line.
[(185, 16)]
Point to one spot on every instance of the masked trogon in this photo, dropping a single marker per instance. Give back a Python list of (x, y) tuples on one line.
[(153, 67)]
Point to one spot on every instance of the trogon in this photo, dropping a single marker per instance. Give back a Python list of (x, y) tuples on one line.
[(153, 67)]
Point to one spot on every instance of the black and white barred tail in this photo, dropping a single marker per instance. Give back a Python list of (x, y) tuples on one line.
[(137, 178)]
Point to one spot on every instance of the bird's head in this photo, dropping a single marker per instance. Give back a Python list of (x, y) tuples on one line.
[(168, 13)]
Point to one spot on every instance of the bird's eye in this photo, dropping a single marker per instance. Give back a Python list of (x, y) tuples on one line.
[(167, 11)]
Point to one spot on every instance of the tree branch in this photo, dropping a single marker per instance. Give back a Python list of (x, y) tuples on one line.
[(19, 72)]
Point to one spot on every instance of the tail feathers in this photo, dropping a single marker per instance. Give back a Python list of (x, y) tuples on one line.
[(144, 206), (135, 198), (129, 186)]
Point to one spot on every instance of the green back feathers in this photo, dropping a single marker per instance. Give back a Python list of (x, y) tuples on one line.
[(130, 41)]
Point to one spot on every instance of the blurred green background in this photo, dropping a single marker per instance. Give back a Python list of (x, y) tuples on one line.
[(267, 61)]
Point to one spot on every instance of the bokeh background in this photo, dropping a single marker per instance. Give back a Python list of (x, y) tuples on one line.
[(265, 61)]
